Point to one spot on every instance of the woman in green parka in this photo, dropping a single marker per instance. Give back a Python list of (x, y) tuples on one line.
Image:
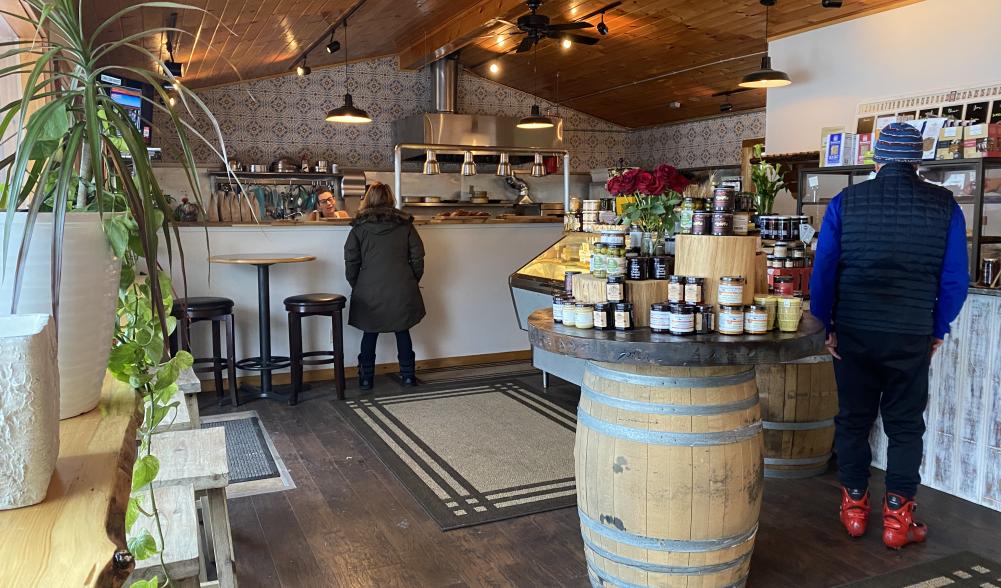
[(384, 262)]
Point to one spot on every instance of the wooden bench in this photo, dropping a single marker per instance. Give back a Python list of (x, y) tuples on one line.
[(189, 385), (179, 522), (198, 458)]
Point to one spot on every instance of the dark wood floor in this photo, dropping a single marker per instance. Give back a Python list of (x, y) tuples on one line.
[(350, 523)]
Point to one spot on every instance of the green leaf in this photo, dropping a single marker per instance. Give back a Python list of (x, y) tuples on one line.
[(127, 276), (152, 583), (144, 471), (118, 235), (132, 512), (184, 360), (142, 546)]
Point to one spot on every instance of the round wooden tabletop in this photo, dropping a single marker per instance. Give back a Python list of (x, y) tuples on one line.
[(261, 258), (641, 346)]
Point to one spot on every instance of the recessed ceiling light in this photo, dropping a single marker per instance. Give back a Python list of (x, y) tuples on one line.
[(567, 43), (494, 68), (500, 39), (675, 104)]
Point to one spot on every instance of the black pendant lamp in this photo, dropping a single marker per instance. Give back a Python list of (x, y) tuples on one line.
[(535, 120), (766, 77), (348, 113)]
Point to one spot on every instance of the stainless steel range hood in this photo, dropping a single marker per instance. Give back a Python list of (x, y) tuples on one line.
[(445, 126)]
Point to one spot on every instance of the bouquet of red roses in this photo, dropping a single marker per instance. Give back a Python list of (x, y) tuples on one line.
[(662, 179)]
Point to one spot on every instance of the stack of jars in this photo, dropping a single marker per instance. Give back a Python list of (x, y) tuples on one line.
[(781, 228), (685, 311), (727, 213)]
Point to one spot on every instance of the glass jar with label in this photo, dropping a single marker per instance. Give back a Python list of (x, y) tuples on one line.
[(557, 308), (702, 223), (602, 316), (722, 224), (568, 282), (623, 316), (781, 249), (730, 320), (660, 317), (756, 320), (676, 289), (661, 267), (685, 218), (782, 285), (694, 289), (705, 319), (584, 316), (731, 290), (615, 289), (638, 268), (723, 199), (598, 254), (569, 311), (741, 223), (682, 319)]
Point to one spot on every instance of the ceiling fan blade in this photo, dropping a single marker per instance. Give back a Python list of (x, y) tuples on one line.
[(527, 43), (582, 39), (507, 22), (730, 92), (570, 26)]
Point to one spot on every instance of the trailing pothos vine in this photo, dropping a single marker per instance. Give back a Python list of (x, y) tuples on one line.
[(137, 358)]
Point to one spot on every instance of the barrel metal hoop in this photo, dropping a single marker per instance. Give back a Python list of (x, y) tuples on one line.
[(666, 437), (671, 382), (791, 461), (669, 409), (806, 426), (602, 579), (703, 570), (685, 546)]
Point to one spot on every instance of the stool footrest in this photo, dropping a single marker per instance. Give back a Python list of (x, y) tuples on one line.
[(256, 364)]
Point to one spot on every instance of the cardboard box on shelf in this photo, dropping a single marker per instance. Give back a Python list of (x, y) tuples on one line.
[(863, 153), (982, 141), (950, 143)]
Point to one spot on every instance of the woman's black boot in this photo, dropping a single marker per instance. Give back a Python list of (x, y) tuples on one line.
[(366, 373), (408, 370)]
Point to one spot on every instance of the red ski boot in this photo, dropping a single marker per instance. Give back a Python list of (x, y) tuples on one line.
[(899, 528), (855, 511)]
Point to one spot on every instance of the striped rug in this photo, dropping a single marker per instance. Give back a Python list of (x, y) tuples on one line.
[(473, 452)]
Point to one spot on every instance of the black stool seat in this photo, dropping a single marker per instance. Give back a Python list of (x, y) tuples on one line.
[(315, 303), (203, 304)]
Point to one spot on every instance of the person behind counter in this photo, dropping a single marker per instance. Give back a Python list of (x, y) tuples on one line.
[(889, 276), (326, 207), (384, 262)]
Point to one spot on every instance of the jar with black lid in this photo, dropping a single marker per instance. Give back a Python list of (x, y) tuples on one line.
[(615, 289), (557, 308), (676, 289), (702, 222), (638, 268), (660, 317), (661, 267), (723, 199), (722, 224), (705, 318), (682, 319), (781, 249), (623, 316), (603, 319)]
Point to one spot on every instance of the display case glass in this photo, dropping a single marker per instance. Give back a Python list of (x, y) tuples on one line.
[(546, 270)]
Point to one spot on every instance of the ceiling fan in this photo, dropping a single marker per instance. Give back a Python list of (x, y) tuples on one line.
[(537, 27)]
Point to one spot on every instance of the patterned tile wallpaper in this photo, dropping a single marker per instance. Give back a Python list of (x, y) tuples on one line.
[(702, 143), (262, 120)]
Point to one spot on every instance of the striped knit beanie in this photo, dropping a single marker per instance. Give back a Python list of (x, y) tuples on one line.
[(898, 143)]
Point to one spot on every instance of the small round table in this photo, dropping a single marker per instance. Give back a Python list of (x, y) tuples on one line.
[(265, 363)]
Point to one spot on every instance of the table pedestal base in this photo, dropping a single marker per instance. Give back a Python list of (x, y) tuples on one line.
[(669, 473)]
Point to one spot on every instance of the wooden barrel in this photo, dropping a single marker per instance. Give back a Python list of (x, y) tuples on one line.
[(799, 401), (669, 479)]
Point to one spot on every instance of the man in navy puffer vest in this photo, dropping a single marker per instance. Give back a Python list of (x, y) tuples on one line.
[(890, 275)]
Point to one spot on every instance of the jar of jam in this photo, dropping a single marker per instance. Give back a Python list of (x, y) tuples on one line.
[(756, 320), (741, 223), (615, 289), (784, 228), (676, 289), (731, 290), (660, 317), (584, 316), (602, 316), (599, 251), (661, 267), (781, 249), (623, 316), (638, 268), (731, 320), (694, 290), (723, 199), (568, 282), (557, 308), (569, 313), (782, 285), (722, 224), (776, 261), (705, 318), (702, 222), (682, 319), (792, 262), (797, 249)]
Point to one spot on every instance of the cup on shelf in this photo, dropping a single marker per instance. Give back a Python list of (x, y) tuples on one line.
[(790, 311)]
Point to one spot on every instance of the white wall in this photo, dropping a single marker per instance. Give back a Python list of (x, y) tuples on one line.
[(903, 51)]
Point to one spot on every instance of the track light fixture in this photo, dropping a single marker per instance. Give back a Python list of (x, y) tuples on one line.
[(832, 3), (171, 67), (302, 69), (602, 27), (333, 46)]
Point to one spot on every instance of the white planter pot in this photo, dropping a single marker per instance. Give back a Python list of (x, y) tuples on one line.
[(86, 303), (29, 408)]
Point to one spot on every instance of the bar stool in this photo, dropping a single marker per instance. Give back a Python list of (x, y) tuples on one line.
[(305, 305), (218, 310)]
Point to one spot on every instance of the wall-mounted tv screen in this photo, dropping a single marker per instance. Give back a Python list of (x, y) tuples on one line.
[(129, 94)]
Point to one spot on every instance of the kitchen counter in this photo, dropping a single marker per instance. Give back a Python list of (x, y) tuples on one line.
[(344, 222), (465, 288)]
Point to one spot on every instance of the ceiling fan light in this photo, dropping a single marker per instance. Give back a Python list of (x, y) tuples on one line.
[(766, 77), (348, 113), (535, 120)]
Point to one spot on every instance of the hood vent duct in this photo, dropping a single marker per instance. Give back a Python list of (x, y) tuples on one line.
[(445, 84)]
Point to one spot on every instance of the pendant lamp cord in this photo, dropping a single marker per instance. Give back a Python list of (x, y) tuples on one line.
[(347, 77), (766, 27)]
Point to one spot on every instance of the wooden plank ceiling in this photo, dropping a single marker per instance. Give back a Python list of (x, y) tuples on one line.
[(656, 51)]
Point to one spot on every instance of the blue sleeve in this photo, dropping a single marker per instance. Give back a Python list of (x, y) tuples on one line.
[(955, 279), (824, 281)]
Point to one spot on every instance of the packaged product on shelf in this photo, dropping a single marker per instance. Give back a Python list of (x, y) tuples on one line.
[(982, 141), (950, 143), (676, 289), (705, 318), (602, 316), (584, 316), (557, 308), (660, 317), (682, 319)]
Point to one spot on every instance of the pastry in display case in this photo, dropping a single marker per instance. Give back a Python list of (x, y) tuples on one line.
[(533, 285)]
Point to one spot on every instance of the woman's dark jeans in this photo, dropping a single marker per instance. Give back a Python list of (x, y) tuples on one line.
[(404, 351)]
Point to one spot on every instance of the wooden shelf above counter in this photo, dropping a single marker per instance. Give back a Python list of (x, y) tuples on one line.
[(71, 538), (341, 222)]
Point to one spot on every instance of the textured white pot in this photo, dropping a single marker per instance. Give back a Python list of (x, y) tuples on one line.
[(86, 303), (29, 408)]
